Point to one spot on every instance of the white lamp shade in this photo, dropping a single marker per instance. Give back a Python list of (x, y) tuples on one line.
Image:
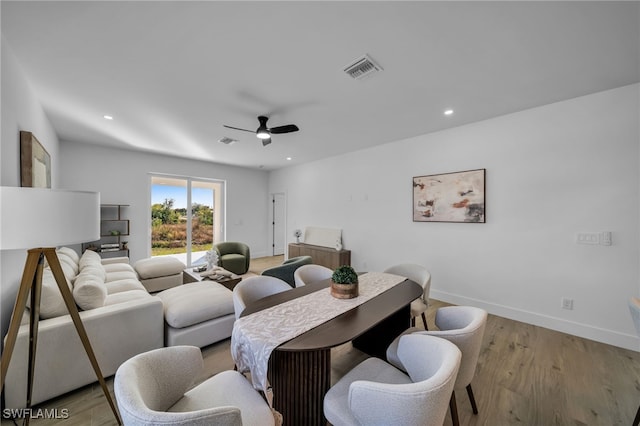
[(39, 217)]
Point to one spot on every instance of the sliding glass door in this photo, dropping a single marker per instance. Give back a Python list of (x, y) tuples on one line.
[(186, 217)]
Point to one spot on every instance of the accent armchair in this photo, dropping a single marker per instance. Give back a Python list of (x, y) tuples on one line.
[(233, 256)]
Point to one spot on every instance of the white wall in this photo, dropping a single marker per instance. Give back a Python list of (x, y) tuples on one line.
[(20, 110), (552, 171), (122, 177)]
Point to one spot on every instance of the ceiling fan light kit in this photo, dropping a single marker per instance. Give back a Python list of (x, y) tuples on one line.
[(264, 133)]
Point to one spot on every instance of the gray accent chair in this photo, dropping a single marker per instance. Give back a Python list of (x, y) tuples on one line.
[(376, 393), (288, 267), (233, 256), (310, 274), (155, 388), (464, 326), (420, 275)]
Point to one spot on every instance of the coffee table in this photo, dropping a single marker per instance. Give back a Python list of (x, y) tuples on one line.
[(190, 276), (300, 369)]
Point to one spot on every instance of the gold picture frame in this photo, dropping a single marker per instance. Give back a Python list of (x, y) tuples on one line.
[(35, 162)]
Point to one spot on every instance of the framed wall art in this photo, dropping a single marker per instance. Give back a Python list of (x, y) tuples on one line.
[(450, 197), (35, 162)]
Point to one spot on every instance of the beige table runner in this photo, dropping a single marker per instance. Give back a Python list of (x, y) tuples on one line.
[(255, 336)]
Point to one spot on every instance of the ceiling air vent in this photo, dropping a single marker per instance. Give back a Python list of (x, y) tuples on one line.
[(227, 141), (362, 67)]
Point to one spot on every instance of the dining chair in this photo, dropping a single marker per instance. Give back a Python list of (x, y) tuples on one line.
[(311, 273), (286, 270), (464, 326), (155, 388), (420, 275), (376, 393), (634, 308), (253, 288)]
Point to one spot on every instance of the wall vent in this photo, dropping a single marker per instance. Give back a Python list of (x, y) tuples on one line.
[(362, 67), (227, 141)]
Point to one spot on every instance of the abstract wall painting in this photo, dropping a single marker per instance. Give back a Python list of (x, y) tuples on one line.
[(450, 197)]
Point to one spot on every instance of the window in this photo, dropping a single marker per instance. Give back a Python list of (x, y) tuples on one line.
[(186, 217)]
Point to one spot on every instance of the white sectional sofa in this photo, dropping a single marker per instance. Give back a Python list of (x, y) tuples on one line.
[(121, 319)]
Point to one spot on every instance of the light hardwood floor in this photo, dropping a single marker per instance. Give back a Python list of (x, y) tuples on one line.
[(526, 375)]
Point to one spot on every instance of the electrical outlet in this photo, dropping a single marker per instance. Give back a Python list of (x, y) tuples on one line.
[(566, 303)]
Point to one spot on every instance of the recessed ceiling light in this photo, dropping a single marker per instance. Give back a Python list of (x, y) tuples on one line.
[(289, 158), (448, 112), (108, 117)]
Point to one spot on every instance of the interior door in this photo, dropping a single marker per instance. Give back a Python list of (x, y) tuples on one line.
[(278, 223)]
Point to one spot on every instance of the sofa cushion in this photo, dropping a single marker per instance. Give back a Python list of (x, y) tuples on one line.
[(193, 303), (118, 267), (120, 275), (89, 257), (94, 269), (69, 252), (67, 261), (126, 284), (69, 268), (155, 267), (125, 296), (89, 291), (51, 301)]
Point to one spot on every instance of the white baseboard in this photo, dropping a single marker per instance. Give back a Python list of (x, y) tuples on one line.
[(610, 337)]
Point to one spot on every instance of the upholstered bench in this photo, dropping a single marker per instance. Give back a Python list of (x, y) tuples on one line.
[(197, 314), (159, 273)]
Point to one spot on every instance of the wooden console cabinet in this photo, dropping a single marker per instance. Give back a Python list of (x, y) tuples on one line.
[(325, 256)]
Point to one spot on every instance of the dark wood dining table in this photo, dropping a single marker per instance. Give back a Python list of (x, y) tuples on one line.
[(300, 369)]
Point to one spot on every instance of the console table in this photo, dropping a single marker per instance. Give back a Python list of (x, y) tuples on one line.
[(325, 256)]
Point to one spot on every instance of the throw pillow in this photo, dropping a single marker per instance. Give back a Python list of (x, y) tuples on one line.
[(69, 267), (51, 301), (89, 292), (94, 269), (71, 253), (89, 257)]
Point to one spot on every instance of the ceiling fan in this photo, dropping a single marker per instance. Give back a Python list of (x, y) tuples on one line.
[(264, 133)]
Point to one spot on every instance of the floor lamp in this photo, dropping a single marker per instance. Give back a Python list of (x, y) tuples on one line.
[(45, 218)]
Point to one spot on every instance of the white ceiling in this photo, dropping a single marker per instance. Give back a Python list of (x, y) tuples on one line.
[(172, 73)]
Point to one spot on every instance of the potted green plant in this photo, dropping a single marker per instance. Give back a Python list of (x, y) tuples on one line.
[(344, 283)]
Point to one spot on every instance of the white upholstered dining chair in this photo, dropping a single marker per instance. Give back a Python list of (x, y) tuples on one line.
[(418, 274), (376, 393), (155, 388), (311, 273), (464, 326), (253, 288), (634, 308)]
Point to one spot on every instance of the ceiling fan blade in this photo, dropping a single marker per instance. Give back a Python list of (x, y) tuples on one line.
[(266, 142), (237, 128), (284, 129)]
